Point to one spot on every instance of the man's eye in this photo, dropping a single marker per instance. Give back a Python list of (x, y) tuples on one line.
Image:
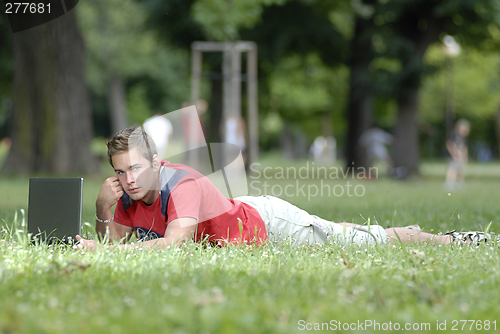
[(135, 168), (119, 173)]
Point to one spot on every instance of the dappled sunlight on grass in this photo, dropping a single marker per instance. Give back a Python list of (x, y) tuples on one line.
[(267, 289), (195, 289)]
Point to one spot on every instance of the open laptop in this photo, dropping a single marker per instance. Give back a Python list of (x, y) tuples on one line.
[(55, 209)]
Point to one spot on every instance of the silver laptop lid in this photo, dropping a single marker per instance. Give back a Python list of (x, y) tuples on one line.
[(55, 207)]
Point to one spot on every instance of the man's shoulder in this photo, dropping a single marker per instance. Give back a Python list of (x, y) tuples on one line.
[(172, 174), (181, 167), (187, 172)]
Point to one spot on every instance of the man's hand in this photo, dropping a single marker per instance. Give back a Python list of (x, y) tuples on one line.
[(85, 244), (111, 191)]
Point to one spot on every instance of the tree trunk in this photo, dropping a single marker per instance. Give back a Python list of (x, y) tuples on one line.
[(497, 128), (360, 103), (406, 154), (406, 149), (213, 128), (51, 127), (117, 103)]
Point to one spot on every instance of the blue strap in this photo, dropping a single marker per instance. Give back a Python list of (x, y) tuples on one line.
[(126, 201), (167, 187)]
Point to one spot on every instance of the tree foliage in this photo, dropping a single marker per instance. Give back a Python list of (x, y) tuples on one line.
[(301, 27), (402, 32), (302, 88), (293, 31), (118, 42), (305, 54), (475, 77), (223, 19)]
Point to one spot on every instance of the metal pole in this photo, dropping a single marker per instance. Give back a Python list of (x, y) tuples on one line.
[(193, 119), (195, 75), (450, 99), (253, 109), (226, 82), (236, 82)]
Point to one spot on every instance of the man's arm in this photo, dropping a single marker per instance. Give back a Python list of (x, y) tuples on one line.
[(111, 191), (178, 231), (117, 232)]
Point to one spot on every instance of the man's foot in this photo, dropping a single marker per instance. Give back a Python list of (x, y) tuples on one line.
[(468, 238)]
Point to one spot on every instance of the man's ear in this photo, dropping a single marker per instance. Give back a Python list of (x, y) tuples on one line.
[(156, 162)]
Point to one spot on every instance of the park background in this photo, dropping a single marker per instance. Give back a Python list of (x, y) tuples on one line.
[(324, 68)]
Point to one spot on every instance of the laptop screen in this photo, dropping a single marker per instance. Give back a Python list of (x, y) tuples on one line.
[(55, 208)]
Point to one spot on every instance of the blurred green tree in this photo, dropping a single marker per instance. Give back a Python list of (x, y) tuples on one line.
[(279, 28), (382, 42), (403, 31), (222, 20), (123, 52), (6, 74), (476, 83), (51, 126), (359, 109), (175, 26), (309, 93), (302, 49)]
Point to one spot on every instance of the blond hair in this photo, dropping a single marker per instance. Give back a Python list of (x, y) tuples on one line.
[(129, 138)]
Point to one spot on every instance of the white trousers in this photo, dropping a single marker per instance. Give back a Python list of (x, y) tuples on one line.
[(284, 220)]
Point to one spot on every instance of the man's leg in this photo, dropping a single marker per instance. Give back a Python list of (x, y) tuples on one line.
[(284, 219), (406, 235)]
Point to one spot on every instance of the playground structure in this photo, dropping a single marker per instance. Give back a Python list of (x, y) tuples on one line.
[(231, 86)]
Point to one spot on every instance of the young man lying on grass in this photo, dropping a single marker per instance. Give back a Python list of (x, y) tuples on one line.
[(165, 204)]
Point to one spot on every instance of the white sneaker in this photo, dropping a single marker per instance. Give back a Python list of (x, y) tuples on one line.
[(468, 238)]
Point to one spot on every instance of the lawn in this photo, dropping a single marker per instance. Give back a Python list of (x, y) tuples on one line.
[(276, 288)]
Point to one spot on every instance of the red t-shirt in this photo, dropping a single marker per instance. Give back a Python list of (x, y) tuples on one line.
[(187, 193)]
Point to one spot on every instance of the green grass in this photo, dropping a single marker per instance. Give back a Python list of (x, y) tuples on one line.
[(267, 289)]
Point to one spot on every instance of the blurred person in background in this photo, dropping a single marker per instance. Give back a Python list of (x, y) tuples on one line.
[(234, 132), (373, 145), (324, 150), (160, 129), (456, 147)]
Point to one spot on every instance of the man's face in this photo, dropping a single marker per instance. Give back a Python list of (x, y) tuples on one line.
[(135, 174)]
